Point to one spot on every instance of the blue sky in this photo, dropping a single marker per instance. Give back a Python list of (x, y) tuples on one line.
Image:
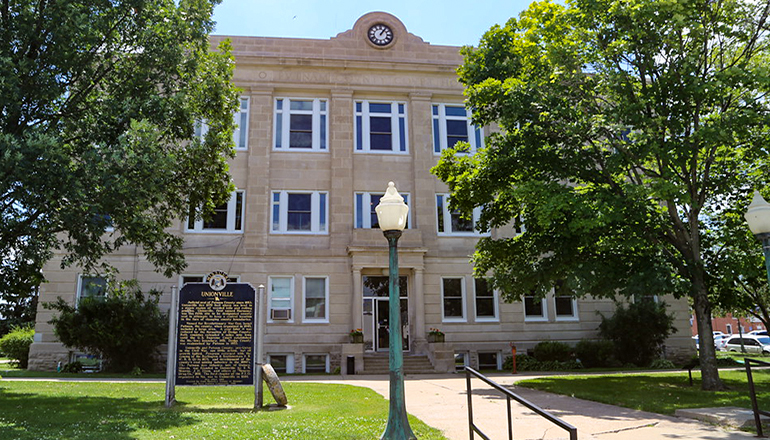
[(449, 22)]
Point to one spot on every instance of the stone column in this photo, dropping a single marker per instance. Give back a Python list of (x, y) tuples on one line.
[(418, 297), (357, 300)]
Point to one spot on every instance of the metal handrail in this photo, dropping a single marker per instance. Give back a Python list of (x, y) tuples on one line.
[(753, 393), (509, 395)]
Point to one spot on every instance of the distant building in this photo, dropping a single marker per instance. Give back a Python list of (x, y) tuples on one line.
[(729, 325), (323, 126)]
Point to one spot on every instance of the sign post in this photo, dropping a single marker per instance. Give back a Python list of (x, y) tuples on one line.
[(259, 341), (171, 357)]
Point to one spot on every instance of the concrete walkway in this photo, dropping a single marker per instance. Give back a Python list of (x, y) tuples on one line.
[(441, 402)]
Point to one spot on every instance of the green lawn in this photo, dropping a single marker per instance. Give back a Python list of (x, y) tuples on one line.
[(43, 410), (661, 393)]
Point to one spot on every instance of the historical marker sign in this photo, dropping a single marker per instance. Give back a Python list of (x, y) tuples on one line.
[(215, 337)]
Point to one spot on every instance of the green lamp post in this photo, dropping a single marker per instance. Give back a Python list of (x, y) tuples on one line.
[(391, 214), (758, 218)]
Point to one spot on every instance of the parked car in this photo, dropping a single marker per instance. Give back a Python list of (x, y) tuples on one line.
[(752, 344), (758, 333), (719, 341)]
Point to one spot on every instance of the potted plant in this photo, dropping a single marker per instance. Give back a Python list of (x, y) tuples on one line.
[(357, 336), (435, 335)]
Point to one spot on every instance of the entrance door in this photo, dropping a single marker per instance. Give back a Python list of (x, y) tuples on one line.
[(376, 317), (382, 324)]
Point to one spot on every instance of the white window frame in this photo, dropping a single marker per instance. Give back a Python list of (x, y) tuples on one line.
[(439, 125), (462, 318), (325, 319), (304, 361), (289, 361), (445, 221), (232, 204), (398, 127), (240, 120), (535, 318), (279, 201), (364, 221), (80, 286), (496, 317), (282, 124), (270, 297), (573, 317)]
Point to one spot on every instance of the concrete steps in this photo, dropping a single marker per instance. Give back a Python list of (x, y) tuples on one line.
[(413, 364)]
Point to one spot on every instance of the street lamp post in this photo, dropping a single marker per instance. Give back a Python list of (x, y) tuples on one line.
[(391, 214), (758, 218)]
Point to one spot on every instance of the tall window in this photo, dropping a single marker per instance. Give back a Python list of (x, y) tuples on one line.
[(241, 121), (281, 298), (381, 127), (535, 309), (91, 286), (366, 217), (453, 299), (316, 299), (450, 222), (452, 124), (485, 300), (316, 363), (301, 124), (227, 217), (299, 212)]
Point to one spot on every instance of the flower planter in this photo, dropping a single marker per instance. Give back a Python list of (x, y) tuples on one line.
[(435, 338), (356, 339)]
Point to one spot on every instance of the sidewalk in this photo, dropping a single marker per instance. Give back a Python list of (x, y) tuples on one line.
[(441, 402)]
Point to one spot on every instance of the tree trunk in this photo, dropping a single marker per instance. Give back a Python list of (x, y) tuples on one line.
[(708, 359)]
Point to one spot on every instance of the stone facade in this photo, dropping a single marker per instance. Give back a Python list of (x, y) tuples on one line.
[(370, 116)]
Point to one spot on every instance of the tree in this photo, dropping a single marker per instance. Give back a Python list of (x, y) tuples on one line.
[(98, 105), (124, 327), (625, 126)]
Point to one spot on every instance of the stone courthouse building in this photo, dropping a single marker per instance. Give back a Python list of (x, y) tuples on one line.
[(324, 125)]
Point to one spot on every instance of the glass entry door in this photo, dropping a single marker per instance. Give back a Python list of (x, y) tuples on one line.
[(377, 313)]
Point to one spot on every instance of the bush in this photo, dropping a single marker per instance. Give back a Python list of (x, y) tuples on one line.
[(596, 354), (662, 364), (638, 331), (124, 328), (552, 351), (529, 363), (72, 367), (16, 344)]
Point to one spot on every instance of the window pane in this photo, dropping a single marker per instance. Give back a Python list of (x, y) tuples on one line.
[(280, 288), (453, 297), (92, 286), (218, 219), (191, 279), (564, 306), (301, 105), (460, 224), (375, 200), (457, 131), (485, 307), (276, 211), (379, 125), (278, 363), (453, 308), (440, 212), (298, 216), (315, 363), (322, 213), (379, 108), (301, 131), (533, 307), (239, 211), (315, 298), (488, 361), (359, 210), (382, 142), (455, 111)]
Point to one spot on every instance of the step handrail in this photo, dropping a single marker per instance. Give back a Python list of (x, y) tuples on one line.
[(753, 393), (510, 395)]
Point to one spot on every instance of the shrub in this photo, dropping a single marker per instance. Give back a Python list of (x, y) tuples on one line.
[(16, 344), (72, 367), (638, 331), (124, 327), (662, 364), (552, 351), (529, 363), (596, 354)]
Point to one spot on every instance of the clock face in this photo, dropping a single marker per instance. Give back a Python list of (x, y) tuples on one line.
[(380, 34)]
